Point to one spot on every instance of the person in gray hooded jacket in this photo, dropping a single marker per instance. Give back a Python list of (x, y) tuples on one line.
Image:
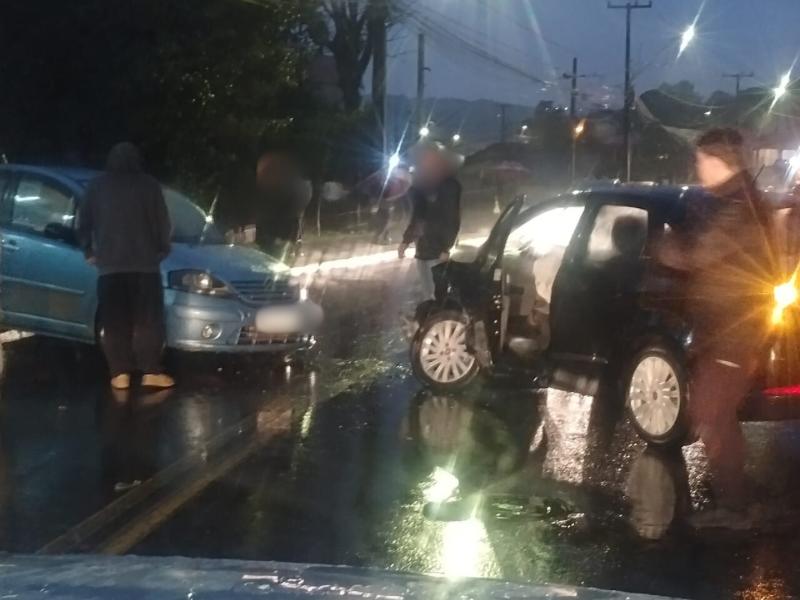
[(124, 229)]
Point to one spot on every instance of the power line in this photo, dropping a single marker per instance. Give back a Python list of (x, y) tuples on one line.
[(441, 33)]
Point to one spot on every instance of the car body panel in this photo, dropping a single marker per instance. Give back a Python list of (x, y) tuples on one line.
[(48, 288), (596, 325)]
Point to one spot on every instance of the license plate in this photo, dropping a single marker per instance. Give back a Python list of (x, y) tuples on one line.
[(280, 319)]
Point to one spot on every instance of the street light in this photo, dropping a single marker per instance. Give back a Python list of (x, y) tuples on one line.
[(424, 131), (576, 133), (394, 161), (456, 138)]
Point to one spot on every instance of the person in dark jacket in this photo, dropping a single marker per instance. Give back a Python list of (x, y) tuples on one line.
[(282, 197), (435, 214), (731, 267), (124, 229)]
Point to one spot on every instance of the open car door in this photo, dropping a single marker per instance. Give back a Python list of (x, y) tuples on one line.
[(490, 259)]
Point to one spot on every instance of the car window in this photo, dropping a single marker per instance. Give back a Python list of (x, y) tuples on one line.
[(6, 204), (546, 231), (38, 204), (618, 231)]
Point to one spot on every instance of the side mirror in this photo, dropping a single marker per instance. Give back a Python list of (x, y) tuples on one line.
[(61, 232)]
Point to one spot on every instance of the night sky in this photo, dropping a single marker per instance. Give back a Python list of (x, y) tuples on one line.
[(732, 35)]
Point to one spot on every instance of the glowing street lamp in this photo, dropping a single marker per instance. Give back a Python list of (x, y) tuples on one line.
[(425, 131), (394, 161), (456, 138), (576, 133)]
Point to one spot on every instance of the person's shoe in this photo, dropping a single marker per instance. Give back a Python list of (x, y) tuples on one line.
[(121, 382), (160, 381)]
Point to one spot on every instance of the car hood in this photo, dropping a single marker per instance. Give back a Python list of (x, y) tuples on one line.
[(225, 261)]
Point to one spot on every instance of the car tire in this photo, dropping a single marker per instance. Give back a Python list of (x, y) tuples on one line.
[(656, 396), (440, 355)]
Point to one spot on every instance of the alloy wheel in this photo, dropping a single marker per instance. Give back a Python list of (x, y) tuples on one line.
[(444, 357), (655, 396)]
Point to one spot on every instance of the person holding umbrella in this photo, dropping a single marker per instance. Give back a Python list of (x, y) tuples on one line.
[(435, 213)]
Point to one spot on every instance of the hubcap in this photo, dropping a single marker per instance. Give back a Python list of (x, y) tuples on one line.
[(655, 396), (443, 354)]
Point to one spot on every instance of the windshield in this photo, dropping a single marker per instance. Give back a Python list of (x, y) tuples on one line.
[(190, 225), (480, 290)]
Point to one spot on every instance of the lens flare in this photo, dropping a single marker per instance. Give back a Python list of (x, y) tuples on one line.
[(785, 295), (687, 38)]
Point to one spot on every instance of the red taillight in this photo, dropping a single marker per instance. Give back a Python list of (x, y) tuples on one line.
[(788, 390)]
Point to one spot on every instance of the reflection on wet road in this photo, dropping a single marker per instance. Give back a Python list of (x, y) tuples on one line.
[(349, 462)]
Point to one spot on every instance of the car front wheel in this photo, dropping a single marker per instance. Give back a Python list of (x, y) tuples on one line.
[(440, 354), (657, 397)]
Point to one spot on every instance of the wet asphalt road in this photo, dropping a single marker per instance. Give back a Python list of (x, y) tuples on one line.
[(339, 461)]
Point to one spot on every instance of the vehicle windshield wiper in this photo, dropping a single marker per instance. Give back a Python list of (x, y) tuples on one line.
[(209, 218)]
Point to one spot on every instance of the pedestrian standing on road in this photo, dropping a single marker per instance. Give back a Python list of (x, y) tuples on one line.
[(731, 270), (124, 229), (435, 213), (283, 195)]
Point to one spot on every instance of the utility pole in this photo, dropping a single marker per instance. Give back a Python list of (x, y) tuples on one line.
[(738, 77), (420, 81), (503, 108), (626, 111), (573, 95), (573, 108)]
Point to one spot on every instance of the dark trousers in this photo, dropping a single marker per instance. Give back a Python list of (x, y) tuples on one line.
[(721, 380), (131, 309)]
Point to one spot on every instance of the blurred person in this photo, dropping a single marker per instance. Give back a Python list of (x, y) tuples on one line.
[(124, 229), (283, 195), (435, 196), (730, 265)]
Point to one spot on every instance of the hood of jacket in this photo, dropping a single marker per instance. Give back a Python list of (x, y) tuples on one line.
[(124, 158)]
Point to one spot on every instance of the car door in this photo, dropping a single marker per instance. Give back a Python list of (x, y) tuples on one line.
[(595, 292), (49, 287), (490, 259)]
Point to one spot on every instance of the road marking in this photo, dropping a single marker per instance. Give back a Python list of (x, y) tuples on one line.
[(128, 536), (78, 535)]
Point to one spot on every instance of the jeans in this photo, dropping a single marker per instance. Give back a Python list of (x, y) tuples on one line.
[(131, 307), (425, 270)]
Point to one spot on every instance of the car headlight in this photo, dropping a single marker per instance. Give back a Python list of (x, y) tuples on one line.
[(198, 282)]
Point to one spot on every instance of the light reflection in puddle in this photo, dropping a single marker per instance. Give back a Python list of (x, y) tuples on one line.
[(567, 417)]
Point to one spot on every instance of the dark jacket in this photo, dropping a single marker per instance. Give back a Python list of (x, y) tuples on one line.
[(435, 219), (732, 266), (123, 221)]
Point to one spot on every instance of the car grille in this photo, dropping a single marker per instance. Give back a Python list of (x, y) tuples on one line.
[(249, 336), (266, 291)]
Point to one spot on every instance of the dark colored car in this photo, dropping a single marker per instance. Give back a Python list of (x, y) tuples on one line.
[(566, 294)]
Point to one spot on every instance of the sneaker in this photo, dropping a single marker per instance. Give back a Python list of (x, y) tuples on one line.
[(121, 382), (158, 381)]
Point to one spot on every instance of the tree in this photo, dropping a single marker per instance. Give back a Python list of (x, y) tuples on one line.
[(683, 90), (199, 85), (352, 30)]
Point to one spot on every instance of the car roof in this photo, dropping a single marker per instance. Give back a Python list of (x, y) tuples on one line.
[(79, 175), (641, 193)]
